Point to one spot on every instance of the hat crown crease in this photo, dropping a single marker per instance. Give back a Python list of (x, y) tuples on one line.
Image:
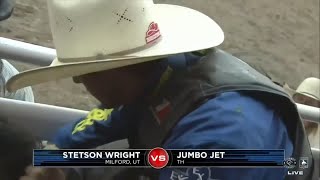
[(101, 29)]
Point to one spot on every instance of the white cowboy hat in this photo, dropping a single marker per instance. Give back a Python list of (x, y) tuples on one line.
[(97, 35), (310, 87)]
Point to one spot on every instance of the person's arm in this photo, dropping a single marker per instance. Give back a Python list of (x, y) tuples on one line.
[(101, 126), (230, 121), (7, 70)]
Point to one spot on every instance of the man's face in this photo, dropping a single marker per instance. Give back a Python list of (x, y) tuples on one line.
[(117, 87)]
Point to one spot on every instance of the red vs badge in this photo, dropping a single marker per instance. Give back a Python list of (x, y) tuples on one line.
[(153, 33), (158, 158)]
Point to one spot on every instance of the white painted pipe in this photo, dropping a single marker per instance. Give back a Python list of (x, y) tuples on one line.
[(43, 120), (309, 113), (42, 56), (315, 149), (26, 52)]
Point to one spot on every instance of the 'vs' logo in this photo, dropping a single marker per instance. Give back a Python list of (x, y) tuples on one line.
[(158, 158)]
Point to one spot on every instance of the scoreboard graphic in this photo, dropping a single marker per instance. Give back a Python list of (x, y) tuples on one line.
[(159, 158)]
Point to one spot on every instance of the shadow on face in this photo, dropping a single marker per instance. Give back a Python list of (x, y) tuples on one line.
[(119, 86)]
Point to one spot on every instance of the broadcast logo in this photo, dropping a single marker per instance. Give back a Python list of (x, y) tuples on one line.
[(303, 163), (158, 158), (290, 163)]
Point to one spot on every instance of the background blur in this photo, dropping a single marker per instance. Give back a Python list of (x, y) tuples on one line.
[(280, 36)]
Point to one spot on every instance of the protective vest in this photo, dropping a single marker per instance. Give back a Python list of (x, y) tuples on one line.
[(216, 73)]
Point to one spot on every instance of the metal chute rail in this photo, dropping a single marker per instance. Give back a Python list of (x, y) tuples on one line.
[(26, 52), (50, 118), (43, 56), (46, 118)]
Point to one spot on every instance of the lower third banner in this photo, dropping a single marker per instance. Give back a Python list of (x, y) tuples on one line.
[(159, 158)]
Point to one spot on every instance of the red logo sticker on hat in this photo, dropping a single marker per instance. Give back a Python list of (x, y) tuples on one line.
[(153, 33)]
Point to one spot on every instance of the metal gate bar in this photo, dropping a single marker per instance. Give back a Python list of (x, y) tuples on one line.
[(26, 52), (42, 56)]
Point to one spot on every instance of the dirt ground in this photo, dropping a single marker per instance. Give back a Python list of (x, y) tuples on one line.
[(280, 36)]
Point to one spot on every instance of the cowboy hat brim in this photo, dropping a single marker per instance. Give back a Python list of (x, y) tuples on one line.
[(60, 70), (307, 95), (183, 30)]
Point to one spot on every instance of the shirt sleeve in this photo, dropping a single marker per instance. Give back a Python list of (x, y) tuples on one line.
[(7, 70), (101, 126), (230, 121)]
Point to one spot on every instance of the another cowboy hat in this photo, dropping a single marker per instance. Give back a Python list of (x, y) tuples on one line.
[(97, 35), (309, 87)]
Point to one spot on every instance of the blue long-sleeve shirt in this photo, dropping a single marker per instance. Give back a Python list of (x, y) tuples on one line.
[(230, 121)]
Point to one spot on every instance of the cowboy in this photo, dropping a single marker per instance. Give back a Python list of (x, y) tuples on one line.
[(308, 93), (6, 72), (6, 69), (162, 82)]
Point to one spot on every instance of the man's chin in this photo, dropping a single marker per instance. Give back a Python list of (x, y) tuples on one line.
[(109, 104)]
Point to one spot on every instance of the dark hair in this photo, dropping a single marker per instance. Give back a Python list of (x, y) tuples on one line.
[(16, 150)]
